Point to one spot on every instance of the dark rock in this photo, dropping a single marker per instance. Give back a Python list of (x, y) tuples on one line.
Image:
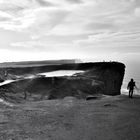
[(98, 78), (110, 105), (91, 97)]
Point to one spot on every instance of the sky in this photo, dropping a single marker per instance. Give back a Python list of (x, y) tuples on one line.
[(90, 30), (94, 30)]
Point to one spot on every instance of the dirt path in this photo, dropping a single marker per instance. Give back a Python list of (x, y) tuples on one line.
[(110, 118)]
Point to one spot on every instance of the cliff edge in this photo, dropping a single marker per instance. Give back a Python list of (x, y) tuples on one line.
[(97, 78)]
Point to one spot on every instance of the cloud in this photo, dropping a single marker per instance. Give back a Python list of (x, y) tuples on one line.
[(44, 23), (109, 42), (33, 46), (100, 26), (137, 12), (5, 15), (87, 26), (11, 8), (75, 1), (44, 3)]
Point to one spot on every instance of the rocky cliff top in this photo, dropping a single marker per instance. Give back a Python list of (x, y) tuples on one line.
[(97, 78)]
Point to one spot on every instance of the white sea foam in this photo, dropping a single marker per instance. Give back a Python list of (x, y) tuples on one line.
[(60, 73), (6, 82)]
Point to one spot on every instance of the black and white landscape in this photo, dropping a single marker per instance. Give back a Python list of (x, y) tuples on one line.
[(64, 69)]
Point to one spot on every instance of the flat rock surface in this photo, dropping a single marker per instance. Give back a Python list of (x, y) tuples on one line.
[(108, 118)]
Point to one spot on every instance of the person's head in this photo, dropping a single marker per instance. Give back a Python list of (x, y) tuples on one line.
[(132, 80)]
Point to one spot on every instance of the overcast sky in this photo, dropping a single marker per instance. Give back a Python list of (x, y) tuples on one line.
[(57, 29)]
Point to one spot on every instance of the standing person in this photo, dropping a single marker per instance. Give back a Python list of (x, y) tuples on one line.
[(130, 87)]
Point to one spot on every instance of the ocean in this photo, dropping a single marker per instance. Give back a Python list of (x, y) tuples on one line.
[(132, 71)]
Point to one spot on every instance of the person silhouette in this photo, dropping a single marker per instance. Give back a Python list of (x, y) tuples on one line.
[(130, 87)]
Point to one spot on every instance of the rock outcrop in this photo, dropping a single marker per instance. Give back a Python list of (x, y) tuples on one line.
[(98, 78), (109, 75)]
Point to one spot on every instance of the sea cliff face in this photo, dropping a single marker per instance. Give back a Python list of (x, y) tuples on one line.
[(97, 78)]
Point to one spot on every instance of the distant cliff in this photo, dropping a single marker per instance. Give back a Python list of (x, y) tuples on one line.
[(102, 77), (38, 63)]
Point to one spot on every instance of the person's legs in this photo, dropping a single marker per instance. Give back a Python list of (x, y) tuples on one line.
[(129, 93)]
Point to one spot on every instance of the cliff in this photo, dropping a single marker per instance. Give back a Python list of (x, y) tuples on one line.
[(97, 78), (110, 74)]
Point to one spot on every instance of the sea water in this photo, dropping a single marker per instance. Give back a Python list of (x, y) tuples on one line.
[(127, 77)]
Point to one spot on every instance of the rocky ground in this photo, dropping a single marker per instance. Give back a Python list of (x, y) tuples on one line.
[(106, 118)]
